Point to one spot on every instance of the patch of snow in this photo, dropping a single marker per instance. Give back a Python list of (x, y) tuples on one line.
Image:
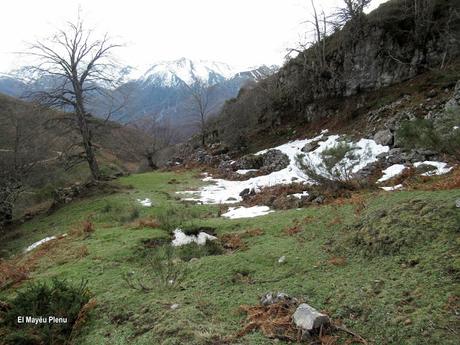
[(42, 241), (180, 238), (389, 189), (282, 259), (299, 195), (228, 192), (439, 168), (455, 128), (392, 171), (247, 212), (146, 202), (245, 171)]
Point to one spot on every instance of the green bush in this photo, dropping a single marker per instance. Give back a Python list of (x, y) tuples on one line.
[(58, 299), (438, 135)]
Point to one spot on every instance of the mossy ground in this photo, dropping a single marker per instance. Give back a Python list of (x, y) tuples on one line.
[(399, 297)]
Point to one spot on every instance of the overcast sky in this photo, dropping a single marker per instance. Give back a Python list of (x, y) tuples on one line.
[(239, 32)]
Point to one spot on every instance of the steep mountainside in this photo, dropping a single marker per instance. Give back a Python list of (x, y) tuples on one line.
[(391, 45)]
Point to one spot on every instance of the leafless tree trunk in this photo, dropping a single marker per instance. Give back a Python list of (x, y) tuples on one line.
[(22, 148), (200, 93), (78, 67)]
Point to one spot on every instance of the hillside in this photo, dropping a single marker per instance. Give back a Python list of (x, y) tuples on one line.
[(322, 206), (363, 65), (44, 134)]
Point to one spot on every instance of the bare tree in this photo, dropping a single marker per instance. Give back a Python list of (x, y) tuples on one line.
[(23, 147), (159, 135), (352, 10), (77, 67), (200, 93)]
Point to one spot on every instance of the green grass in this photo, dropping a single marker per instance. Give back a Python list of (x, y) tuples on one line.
[(373, 295)]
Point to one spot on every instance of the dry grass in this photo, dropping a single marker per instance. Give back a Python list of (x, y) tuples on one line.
[(149, 222), (11, 273), (293, 230), (82, 318), (274, 321), (337, 261), (254, 232), (233, 242)]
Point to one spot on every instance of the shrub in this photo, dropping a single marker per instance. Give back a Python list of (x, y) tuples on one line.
[(438, 135), (134, 213), (58, 299), (335, 169)]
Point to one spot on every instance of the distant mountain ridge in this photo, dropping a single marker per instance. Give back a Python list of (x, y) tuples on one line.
[(161, 91)]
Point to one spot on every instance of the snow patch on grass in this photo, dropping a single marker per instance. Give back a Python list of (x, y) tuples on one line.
[(392, 171), (181, 239), (393, 188), (439, 168), (247, 212), (146, 202)]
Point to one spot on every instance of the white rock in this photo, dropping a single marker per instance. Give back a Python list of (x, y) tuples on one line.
[(282, 259), (308, 318), (174, 306)]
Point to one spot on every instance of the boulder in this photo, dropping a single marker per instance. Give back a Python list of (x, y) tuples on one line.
[(249, 162), (310, 146), (274, 160), (308, 318), (384, 137)]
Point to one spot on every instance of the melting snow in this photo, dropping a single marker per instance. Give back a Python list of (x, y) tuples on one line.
[(146, 202), (299, 195), (245, 171), (247, 212), (389, 189), (439, 168), (391, 172), (42, 241), (180, 238), (227, 192)]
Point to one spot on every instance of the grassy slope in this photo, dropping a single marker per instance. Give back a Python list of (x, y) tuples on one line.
[(373, 296)]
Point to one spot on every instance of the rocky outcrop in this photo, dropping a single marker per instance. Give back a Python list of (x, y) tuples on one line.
[(274, 160)]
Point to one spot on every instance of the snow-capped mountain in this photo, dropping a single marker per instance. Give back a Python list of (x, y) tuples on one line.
[(176, 73), (161, 90), (173, 73)]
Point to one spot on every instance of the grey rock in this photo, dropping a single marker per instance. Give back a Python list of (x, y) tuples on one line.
[(249, 162), (453, 104), (319, 200), (311, 146), (274, 160), (457, 203), (384, 137), (308, 318)]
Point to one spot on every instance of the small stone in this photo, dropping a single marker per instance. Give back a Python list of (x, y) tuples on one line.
[(308, 318), (272, 298), (407, 322), (174, 306), (457, 203), (282, 259)]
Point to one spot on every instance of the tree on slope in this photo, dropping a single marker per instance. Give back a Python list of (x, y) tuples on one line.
[(75, 67)]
